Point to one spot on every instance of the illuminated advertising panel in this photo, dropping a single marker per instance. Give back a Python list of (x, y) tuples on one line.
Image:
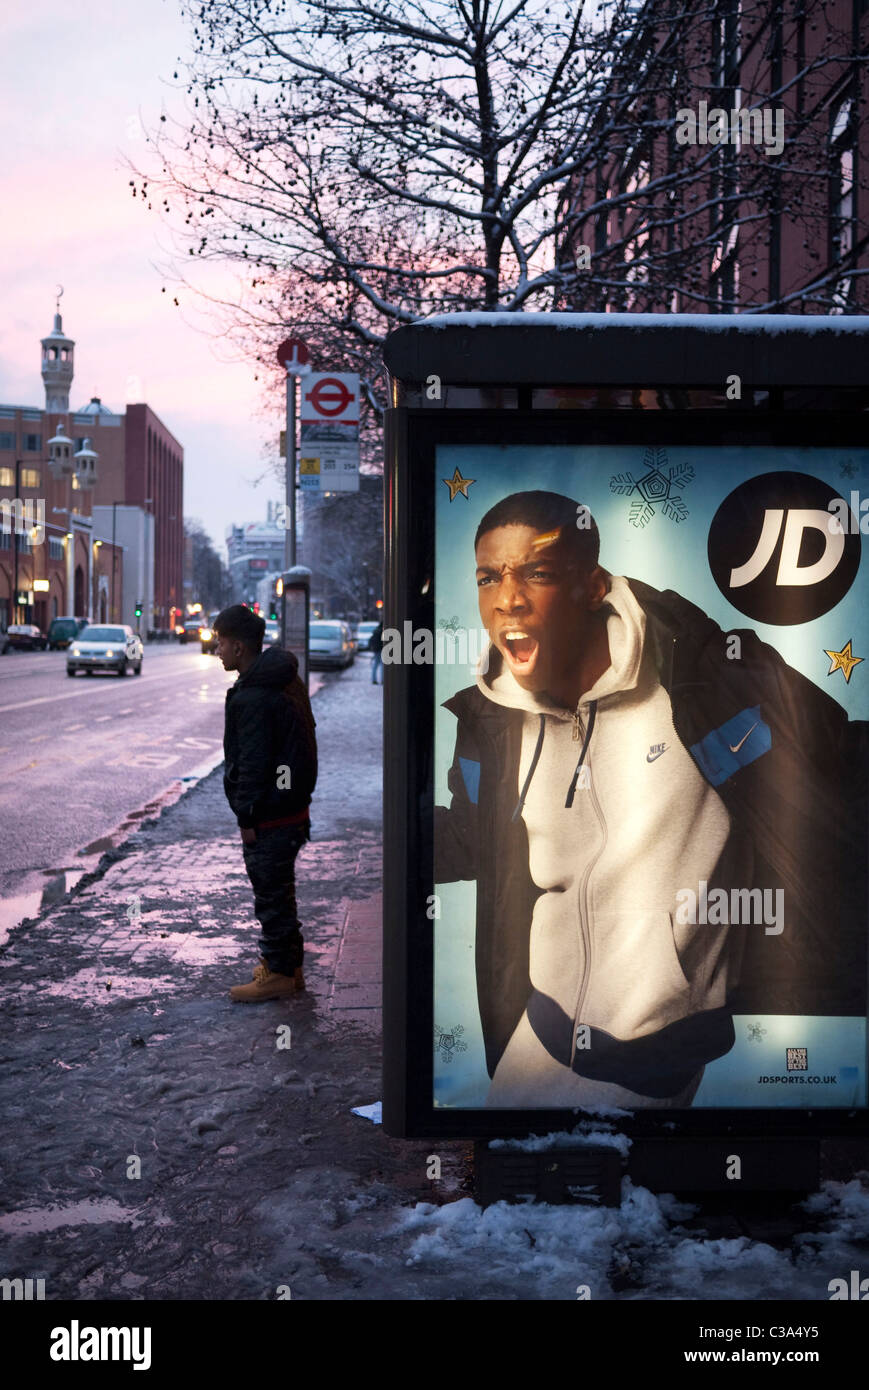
[(649, 850), (625, 806)]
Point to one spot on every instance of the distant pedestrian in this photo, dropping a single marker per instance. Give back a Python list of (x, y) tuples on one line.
[(270, 750), (375, 645)]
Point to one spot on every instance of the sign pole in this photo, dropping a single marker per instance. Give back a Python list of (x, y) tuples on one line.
[(294, 357), (290, 516)]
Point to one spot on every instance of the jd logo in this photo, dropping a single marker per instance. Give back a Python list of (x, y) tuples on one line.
[(772, 553)]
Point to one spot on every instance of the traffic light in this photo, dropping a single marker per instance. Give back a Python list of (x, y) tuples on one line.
[(273, 616), (139, 609)]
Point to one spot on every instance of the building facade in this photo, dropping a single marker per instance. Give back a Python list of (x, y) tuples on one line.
[(727, 169), (90, 507), (255, 551)]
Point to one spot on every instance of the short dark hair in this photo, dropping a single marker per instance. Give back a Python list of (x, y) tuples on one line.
[(241, 624), (547, 511)]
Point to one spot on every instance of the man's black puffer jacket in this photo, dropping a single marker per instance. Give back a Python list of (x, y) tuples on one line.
[(269, 729)]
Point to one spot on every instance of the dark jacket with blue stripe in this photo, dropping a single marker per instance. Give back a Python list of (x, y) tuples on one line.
[(798, 794)]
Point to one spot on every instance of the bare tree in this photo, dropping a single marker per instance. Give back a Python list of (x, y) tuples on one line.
[(211, 581), (370, 162)]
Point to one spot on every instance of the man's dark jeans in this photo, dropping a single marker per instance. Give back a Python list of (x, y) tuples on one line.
[(270, 862)]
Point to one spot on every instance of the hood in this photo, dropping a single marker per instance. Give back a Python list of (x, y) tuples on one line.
[(626, 626), (274, 668)]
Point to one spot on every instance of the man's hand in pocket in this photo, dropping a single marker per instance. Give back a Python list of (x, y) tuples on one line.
[(248, 835)]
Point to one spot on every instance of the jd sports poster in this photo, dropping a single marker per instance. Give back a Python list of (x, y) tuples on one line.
[(651, 695)]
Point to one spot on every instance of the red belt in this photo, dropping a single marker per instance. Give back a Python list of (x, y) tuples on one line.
[(284, 820)]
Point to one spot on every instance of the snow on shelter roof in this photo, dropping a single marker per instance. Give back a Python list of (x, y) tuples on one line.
[(640, 349)]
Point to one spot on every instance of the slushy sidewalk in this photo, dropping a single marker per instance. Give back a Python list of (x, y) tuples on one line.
[(179, 1145)]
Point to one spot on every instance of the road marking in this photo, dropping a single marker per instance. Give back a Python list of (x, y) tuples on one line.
[(102, 719), (126, 711), (88, 690), (71, 728)]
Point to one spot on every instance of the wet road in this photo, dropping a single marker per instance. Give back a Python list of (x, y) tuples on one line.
[(78, 756)]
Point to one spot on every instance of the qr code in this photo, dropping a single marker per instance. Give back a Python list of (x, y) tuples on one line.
[(798, 1059)]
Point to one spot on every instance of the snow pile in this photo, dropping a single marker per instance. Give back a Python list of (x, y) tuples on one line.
[(586, 1132), (772, 324), (640, 1250)]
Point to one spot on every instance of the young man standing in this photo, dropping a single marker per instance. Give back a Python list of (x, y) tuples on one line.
[(270, 753)]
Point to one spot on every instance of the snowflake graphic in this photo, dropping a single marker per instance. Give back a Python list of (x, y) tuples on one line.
[(848, 470), (451, 624), (659, 485), (756, 1033), (448, 1044)]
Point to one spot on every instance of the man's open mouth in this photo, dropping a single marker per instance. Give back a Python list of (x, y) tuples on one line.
[(520, 649)]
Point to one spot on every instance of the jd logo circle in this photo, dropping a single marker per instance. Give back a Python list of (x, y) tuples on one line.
[(772, 552)]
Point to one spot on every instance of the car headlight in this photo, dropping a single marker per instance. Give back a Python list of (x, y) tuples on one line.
[(76, 652), (205, 634)]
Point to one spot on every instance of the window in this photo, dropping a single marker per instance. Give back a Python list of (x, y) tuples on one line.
[(7, 440), (33, 443), (842, 139), (7, 477), (30, 477), (55, 549), (724, 271)]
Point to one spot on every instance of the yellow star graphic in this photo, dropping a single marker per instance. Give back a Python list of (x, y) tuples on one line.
[(843, 661), (458, 484)]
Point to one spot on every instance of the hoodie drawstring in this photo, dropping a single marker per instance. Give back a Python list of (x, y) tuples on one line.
[(534, 761), (592, 712)]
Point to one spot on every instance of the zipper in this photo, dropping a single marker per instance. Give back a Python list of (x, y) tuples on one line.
[(584, 924)]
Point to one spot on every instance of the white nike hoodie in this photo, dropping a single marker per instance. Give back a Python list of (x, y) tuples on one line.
[(644, 823)]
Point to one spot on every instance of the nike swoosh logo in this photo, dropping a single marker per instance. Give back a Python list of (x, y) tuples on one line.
[(652, 757), (735, 747)]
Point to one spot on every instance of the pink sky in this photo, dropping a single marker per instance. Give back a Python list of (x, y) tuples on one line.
[(80, 81)]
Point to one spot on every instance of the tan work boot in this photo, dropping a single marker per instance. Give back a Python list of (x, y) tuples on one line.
[(297, 975), (266, 984)]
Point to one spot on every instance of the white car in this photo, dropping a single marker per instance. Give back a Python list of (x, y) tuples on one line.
[(330, 644), (105, 648)]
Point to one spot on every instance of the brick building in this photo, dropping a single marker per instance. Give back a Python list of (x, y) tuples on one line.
[(105, 487), (681, 211)]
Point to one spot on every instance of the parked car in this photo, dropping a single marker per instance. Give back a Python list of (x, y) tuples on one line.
[(272, 635), (363, 634), (24, 637), (63, 632), (330, 644), (106, 648)]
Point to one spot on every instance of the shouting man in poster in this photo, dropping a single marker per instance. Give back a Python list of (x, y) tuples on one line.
[(617, 757)]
